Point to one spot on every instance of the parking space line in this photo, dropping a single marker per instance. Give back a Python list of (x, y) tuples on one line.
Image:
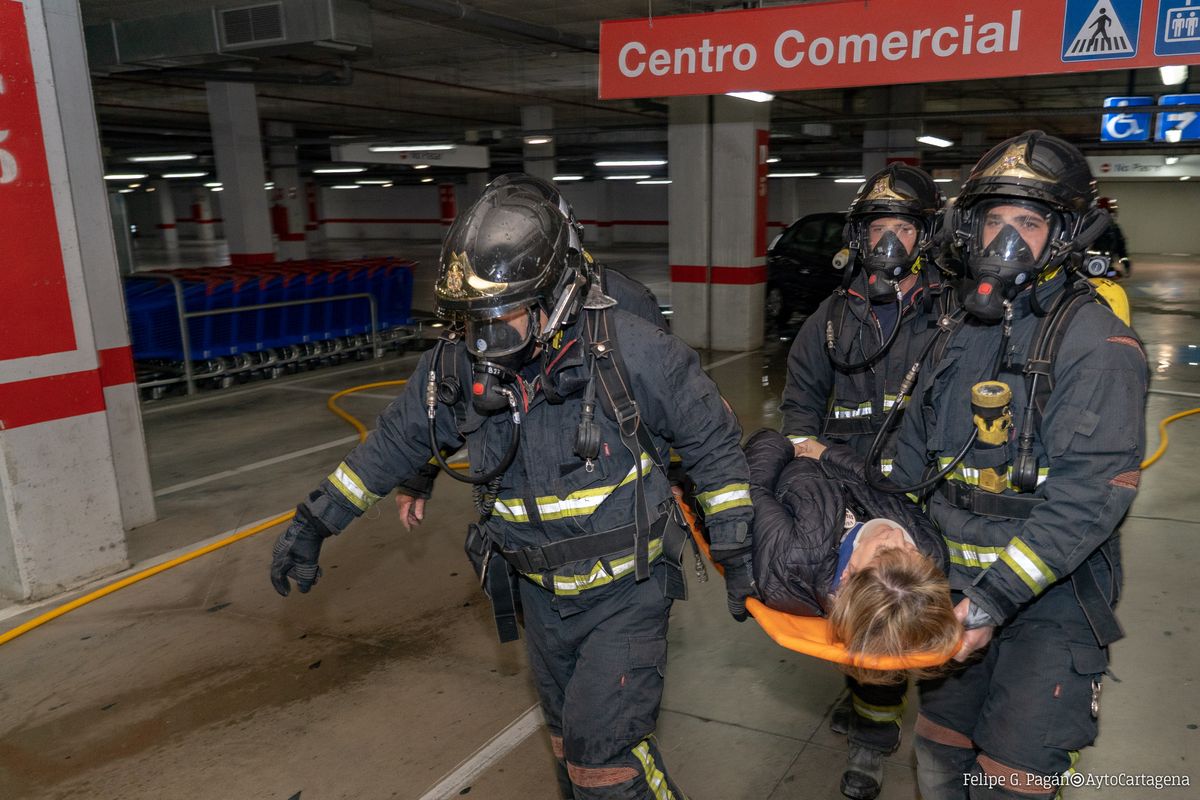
[(179, 487), (493, 751), (731, 358)]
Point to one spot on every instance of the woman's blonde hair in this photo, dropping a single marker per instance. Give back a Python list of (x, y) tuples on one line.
[(898, 605)]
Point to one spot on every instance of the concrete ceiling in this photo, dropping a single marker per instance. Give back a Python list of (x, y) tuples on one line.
[(431, 77)]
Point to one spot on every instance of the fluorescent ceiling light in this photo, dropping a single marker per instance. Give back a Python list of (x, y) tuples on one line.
[(219, 189), (1171, 160), (388, 185), (626, 177), (426, 180), (212, 185), (338, 170), (1174, 135), (1185, 177), (652, 162), (347, 186), (420, 166), (792, 174), (655, 182), (125, 191), (125, 176), (565, 178), (538, 139), (934, 141), (859, 179), (942, 180), (268, 185), (151, 189), (409, 148), (774, 160), (176, 157), (755, 97), (184, 174), (1173, 75), (135, 186), (372, 182)]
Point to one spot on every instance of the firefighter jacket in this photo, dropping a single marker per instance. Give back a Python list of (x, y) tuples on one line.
[(549, 493), (1088, 445), (800, 515), (850, 407)]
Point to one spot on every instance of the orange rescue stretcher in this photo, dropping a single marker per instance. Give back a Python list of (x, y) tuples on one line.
[(811, 635)]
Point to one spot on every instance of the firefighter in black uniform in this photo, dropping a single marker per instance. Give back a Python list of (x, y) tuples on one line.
[(844, 370), (1029, 433), (568, 406)]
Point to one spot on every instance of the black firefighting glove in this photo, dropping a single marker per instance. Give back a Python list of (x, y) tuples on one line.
[(296, 552), (739, 580)]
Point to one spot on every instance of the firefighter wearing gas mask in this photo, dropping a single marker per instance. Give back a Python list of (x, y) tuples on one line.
[(1025, 438), (844, 369), (568, 406)]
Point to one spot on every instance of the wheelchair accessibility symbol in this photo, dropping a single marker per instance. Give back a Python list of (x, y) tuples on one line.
[(1126, 127)]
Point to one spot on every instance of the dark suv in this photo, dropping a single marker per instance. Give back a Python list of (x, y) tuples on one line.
[(800, 272)]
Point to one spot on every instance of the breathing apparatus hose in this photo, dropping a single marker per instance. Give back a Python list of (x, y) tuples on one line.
[(846, 366), (431, 401)]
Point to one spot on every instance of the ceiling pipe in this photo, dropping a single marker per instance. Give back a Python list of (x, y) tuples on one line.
[(453, 10), (343, 77)]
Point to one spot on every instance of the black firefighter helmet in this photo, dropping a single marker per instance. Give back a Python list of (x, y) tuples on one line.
[(503, 259), (897, 191), (1025, 208)]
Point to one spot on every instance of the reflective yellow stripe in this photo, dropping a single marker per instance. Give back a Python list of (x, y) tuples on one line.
[(972, 555), (885, 466), (734, 495), (877, 713), (852, 412), (350, 485), (511, 510), (576, 504), (655, 778), (970, 475), (1028, 566), (598, 575)]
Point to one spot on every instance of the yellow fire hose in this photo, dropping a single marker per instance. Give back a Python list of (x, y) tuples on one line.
[(332, 405)]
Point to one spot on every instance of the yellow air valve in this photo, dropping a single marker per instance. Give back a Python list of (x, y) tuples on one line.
[(992, 413)]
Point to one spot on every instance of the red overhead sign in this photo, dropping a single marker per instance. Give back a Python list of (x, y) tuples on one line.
[(870, 43), (37, 312)]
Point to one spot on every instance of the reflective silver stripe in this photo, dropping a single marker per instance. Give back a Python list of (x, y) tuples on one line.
[(350, 485), (1027, 565), (655, 778), (598, 575), (799, 439), (511, 510), (970, 555), (734, 495), (576, 504)]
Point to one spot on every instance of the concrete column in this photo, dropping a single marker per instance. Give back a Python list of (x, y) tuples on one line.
[(72, 460), (884, 143), (604, 215), (202, 215), (314, 228), (118, 211), (288, 200), (166, 225), (718, 213), (539, 158), (237, 145)]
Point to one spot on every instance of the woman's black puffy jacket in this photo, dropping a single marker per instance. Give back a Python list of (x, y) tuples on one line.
[(800, 507)]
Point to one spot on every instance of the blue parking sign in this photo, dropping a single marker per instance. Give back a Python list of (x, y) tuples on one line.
[(1178, 30), (1187, 123), (1096, 30), (1125, 127)]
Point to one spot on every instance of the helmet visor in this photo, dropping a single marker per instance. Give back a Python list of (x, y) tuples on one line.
[(1013, 232), (502, 336)]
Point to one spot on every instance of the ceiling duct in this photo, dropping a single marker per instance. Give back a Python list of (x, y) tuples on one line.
[(211, 35)]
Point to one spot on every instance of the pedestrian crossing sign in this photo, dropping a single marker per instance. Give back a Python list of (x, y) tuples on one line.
[(1095, 30)]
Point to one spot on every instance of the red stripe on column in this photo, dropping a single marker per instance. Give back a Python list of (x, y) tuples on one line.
[(44, 399), (116, 366), (724, 276), (385, 220), (291, 237), (163, 226), (250, 259)]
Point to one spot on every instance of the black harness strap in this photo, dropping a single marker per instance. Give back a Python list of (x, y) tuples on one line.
[(549, 557), (617, 398)]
